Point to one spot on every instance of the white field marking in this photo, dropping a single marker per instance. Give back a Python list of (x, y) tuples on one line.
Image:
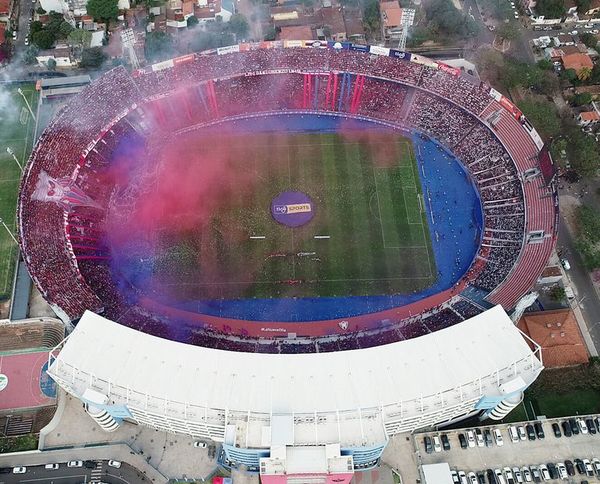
[(322, 236), (257, 237)]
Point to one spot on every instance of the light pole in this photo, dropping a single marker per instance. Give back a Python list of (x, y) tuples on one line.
[(20, 91), (9, 232), (12, 153)]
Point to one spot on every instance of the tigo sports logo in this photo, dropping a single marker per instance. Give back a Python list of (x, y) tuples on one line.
[(293, 208)]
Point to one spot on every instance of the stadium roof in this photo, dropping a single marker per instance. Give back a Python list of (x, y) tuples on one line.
[(283, 383)]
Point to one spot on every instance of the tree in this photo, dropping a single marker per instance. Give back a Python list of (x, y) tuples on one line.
[(105, 10), (159, 45), (582, 98), (270, 33), (30, 55), (192, 21), (64, 29), (543, 115), (583, 6), (583, 153), (570, 75), (41, 11), (79, 38), (544, 64), (557, 293), (51, 64), (589, 39), (36, 26), (371, 16), (508, 31), (584, 73), (93, 57), (43, 39), (550, 8), (238, 25)]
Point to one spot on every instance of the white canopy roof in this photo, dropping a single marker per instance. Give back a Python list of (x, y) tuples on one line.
[(323, 382)]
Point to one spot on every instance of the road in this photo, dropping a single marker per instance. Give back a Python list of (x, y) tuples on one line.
[(68, 475)]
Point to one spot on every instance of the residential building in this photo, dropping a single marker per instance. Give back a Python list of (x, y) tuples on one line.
[(355, 30), (6, 10), (577, 61), (557, 332), (588, 118), (296, 32), (331, 21), (61, 55), (391, 19)]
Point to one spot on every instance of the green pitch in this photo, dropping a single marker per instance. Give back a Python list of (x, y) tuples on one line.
[(16, 132), (367, 197)]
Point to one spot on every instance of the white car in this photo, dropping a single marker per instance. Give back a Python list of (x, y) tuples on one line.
[(582, 426), (517, 474), (437, 446), (470, 438), (596, 464), (19, 470), (589, 470), (562, 471), (472, 478), (526, 474), (522, 433), (498, 437), (479, 437), (114, 463), (588, 26), (544, 472), (573, 32), (75, 463), (463, 477), (516, 15), (51, 467), (202, 445), (26, 40)]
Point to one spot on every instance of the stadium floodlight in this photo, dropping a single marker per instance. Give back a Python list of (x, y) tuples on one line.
[(12, 153), (9, 231), (20, 91)]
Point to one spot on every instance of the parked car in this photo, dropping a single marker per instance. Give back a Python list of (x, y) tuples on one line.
[(75, 463), (513, 434), (490, 476), (499, 477), (521, 432), (437, 445), (535, 473), (579, 466), (589, 423), (552, 470), (566, 428), (517, 473), (562, 471), (455, 479), (19, 470), (544, 472), (597, 423), (589, 469), (479, 437), (445, 442), (52, 467), (574, 426), (530, 432), (462, 477), (596, 464), (472, 478), (481, 478), (582, 426), (539, 430), (570, 467), (462, 440), (556, 430), (487, 436), (114, 463), (471, 438), (89, 464), (527, 477), (498, 437), (426, 441)]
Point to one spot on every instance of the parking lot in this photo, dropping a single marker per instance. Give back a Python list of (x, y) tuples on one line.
[(526, 452)]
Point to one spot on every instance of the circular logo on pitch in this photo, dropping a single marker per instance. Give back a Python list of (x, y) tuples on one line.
[(292, 208), (3, 381)]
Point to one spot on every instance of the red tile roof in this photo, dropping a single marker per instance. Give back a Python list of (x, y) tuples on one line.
[(577, 61), (557, 332), (298, 32)]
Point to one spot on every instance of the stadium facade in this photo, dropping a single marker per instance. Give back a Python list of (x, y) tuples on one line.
[(258, 405), (280, 392)]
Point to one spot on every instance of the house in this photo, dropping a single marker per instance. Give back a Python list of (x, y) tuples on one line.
[(577, 61), (563, 39), (6, 10), (355, 30), (211, 10), (296, 32), (177, 13), (558, 334), (2, 33), (588, 118), (593, 9), (61, 55), (331, 20), (391, 19), (550, 275)]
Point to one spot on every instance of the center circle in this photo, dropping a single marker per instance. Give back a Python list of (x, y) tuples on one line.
[(293, 209)]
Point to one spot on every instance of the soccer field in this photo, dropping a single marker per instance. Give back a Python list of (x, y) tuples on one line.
[(16, 132), (369, 220)]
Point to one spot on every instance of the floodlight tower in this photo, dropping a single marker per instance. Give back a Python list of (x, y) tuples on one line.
[(128, 40), (407, 20)]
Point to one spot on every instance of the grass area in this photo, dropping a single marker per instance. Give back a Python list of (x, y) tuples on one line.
[(366, 194), (16, 132), (582, 402), (18, 444)]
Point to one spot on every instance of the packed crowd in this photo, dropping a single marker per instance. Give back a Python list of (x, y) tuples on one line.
[(174, 98)]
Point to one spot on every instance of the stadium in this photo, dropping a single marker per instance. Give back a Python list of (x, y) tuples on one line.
[(290, 244)]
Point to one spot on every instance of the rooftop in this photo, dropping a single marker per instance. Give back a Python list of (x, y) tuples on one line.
[(577, 61), (589, 116), (296, 32), (391, 13), (557, 332)]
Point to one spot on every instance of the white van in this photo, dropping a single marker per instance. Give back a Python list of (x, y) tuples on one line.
[(565, 264), (513, 434)]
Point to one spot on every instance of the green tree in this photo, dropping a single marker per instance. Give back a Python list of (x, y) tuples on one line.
[(79, 38), (570, 75), (105, 10), (36, 26), (40, 11), (557, 293), (192, 21), (30, 55), (270, 33), (589, 39), (93, 57), (588, 223), (508, 31), (583, 6), (65, 29), (43, 39), (371, 17), (582, 98), (159, 45), (544, 64), (583, 153), (550, 8), (51, 64), (543, 115), (238, 25)]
